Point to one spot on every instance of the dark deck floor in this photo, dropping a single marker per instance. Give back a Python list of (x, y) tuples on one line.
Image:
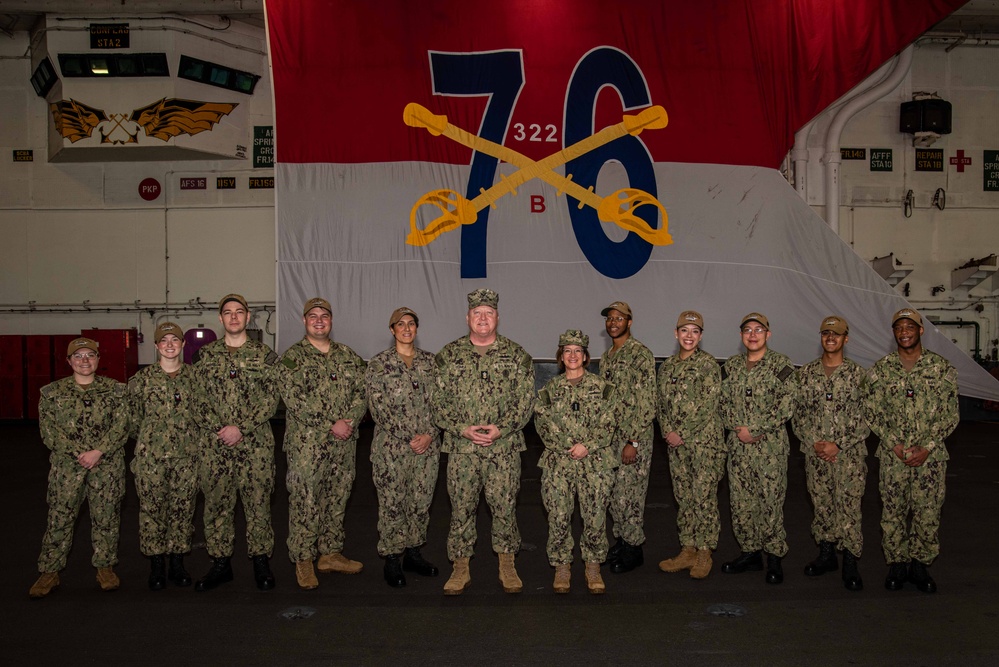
[(645, 618)]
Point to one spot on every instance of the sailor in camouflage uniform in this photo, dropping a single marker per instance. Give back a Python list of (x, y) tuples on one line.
[(405, 450), (84, 422), (631, 368), (235, 398), (756, 399), (829, 422), (574, 416), (484, 399), (166, 463), (322, 384), (911, 404), (689, 385)]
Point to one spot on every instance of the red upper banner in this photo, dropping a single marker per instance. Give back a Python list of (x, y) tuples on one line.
[(737, 78)]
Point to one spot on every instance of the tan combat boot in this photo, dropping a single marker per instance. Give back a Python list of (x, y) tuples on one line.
[(460, 578), (107, 579), (593, 579), (508, 574), (702, 564), (561, 584), (338, 563), (306, 575), (47, 582), (684, 561)]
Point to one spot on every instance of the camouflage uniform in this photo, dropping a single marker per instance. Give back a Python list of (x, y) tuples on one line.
[(399, 400), (632, 371), (74, 419), (319, 389), (166, 462), (496, 388), (236, 387), (831, 408), (762, 400), (688, 404), (565, 414), (918, 407)]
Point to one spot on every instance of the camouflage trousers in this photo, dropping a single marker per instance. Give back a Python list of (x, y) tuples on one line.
[(321, 474), (69, 483), (405, 484), (245, 470), (167, 489), (696, 472), (561, 482), (911, 500), (837, 490), (757, 482), (627, 501), (468, 476)]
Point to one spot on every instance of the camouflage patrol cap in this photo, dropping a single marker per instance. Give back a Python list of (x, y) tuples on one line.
[(399, 312), (836, 324), (907, 314), (232, 297), (483, 297), (756, 317), (574, 337), (690, 317), (619, 306), (167, 328), (82, 344), (316, 302)]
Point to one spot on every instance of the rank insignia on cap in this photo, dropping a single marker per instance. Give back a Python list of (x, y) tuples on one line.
[(909, 393), (829, 396)]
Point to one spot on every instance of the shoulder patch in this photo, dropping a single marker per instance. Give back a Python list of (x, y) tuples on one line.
[(289, 363), (785, 373), (119, 389), (544, 398), (271, 358), (951, 376), (47, 390), (608, 390)]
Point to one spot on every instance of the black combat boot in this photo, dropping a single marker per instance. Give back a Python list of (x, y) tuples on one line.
[(775, 573), (919, 576), (628, 558), (177, 573), (748, 560), (413, 561), (615, 551), (851, 575), (826, 561), (898, 574), (262, 572), (219, 573), (393, 571), (157, 573)]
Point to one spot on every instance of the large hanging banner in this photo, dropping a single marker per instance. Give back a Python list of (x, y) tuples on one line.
[(569, 154)]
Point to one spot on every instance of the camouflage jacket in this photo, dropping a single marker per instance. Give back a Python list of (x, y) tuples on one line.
[(74, 419), (496, 388), (235, 388), (566, 414), (632, 371), (830, 408), (761, 399), (319, 389), (161, 412), (399, 399), (688, 399), (918, 407)]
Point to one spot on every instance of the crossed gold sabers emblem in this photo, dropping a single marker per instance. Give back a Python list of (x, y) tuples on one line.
[(618, 208)]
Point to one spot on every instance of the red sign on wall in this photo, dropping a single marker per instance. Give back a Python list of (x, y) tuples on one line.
[(149, 189)]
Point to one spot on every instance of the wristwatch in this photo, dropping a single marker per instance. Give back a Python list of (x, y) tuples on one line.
[(633, 443)]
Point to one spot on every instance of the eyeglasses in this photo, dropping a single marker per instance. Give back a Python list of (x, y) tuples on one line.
[(751, 330), (617, 320), (80, 356)]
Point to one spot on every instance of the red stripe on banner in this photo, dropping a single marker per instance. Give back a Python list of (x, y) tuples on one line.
[(737, 77)]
